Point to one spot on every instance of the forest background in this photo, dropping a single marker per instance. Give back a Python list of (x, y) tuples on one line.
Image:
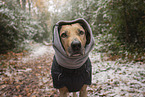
[(119, 25)]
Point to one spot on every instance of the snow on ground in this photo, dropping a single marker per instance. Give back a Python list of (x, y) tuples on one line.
[(109, 78), (39, 50), (116, 79)]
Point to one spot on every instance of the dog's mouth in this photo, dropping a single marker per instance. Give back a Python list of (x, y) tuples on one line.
[(75, 53)]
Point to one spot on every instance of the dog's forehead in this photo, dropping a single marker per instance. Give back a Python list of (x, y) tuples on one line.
[(75, 26)]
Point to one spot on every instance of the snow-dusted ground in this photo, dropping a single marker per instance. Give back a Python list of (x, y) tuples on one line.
[(38, 50), (115, 79), (110, 78)]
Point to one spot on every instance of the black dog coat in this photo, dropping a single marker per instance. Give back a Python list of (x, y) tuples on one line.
[(73, 79)]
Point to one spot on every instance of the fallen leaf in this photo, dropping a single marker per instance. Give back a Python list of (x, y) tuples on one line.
[(17, 87)]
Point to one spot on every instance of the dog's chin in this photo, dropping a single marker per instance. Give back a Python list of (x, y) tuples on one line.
[(76, 54)]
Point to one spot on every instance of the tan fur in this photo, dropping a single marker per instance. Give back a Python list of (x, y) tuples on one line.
[(72, 33), (64, 92)]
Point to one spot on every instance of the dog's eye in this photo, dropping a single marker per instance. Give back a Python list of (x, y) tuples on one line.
[(63, 35), (81, 32)]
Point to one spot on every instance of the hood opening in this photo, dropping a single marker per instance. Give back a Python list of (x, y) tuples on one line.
[(82, 23)]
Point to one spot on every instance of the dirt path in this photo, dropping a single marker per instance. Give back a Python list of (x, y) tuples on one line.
[(29, 75)]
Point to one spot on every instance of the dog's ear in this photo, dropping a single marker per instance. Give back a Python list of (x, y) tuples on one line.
[(59, 28), (87, 37), (87, 33)]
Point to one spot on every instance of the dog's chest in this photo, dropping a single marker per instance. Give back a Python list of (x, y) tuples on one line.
[(73, 79)]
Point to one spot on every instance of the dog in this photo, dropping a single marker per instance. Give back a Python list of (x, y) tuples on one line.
[(73, 39)]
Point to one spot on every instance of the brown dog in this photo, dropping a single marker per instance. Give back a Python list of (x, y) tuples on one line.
[(73, 38)]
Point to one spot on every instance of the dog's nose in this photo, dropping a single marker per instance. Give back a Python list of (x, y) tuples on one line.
[(76, 45)]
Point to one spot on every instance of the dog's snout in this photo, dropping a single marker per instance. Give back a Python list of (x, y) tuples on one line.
[(76, 45)]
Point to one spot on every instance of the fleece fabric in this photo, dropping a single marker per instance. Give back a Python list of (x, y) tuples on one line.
[(61, 57)]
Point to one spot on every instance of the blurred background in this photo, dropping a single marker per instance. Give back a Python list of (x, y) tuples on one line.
[(117, 24)]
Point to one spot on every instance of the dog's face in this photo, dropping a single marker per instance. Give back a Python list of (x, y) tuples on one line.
[(73, 38)]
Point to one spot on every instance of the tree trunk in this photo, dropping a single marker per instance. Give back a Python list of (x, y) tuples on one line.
[(18, 1), (126, 23), (29, 2), (24, 4)]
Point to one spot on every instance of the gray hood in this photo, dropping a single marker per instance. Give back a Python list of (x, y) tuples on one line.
[(61, 57)]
